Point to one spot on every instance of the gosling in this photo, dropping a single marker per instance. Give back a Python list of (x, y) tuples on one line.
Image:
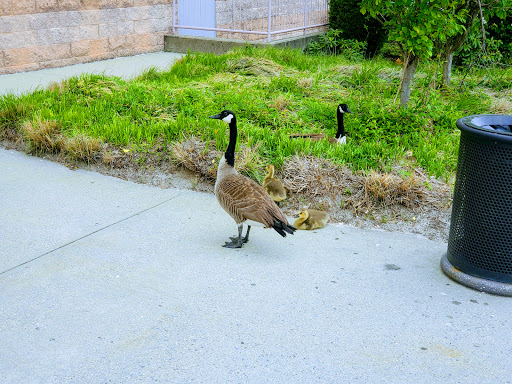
[(273, 185), (309, 219)]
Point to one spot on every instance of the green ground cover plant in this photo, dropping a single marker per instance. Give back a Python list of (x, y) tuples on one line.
[(274, 93)]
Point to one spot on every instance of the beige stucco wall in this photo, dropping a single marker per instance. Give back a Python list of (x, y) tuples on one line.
[(36, 34)]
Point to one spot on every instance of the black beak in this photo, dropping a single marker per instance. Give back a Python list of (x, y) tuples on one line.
[(215, 116), (296, 216), (348, 110)]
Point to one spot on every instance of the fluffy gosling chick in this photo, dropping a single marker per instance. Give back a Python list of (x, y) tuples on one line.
[(308, 219), (273, 185)]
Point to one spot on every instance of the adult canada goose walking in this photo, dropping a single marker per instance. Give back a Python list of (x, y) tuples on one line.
[(241, 197), (273, 185), (340, 137)]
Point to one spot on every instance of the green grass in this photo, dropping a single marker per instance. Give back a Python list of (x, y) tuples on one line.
[(274, 93)]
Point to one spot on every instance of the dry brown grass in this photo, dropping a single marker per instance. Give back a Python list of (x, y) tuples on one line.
[(305, 82), (385, 189), (347, 69), (55, 86), (501, 105), (203, 158), (45, 136), (281, 102), (82, 147), (362, 193), (42, 136), (315, 176), (196, 156), (257, 66)]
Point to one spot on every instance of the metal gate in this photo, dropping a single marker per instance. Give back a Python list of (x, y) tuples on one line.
[(249, 19), (197, 14)]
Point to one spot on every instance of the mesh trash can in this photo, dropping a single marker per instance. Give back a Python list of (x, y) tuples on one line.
[(479, 251)]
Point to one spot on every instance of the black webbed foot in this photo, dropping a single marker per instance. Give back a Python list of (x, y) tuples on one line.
[(233, 244)]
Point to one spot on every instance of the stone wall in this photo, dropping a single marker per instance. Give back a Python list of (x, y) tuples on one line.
[(36, 34)]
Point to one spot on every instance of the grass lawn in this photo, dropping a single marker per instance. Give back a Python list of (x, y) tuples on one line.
[(274, 93)]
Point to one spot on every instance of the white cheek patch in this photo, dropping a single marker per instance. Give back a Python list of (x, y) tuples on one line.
[(341, 110), (228, 118)]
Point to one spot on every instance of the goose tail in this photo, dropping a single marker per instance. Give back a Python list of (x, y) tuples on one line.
[(282, 227)]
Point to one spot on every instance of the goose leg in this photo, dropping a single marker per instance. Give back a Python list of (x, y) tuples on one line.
[(236, 242), (245, 239)]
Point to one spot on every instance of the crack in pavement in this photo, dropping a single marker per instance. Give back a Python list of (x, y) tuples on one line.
[(87, 235)]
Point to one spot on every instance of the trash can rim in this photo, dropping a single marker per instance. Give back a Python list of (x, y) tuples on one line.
[(468, 124)]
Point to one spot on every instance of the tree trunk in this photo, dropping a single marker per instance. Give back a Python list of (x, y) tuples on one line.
[(447, 68), (453, 43), (410, 67)]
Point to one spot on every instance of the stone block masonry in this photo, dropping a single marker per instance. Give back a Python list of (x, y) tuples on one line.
[(37, 34)]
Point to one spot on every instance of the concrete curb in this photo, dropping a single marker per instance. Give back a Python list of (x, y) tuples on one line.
[(183, 44)]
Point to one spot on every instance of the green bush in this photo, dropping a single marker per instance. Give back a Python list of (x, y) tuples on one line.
[(472, 53), (501, 29), (345, 15), (332, 44)]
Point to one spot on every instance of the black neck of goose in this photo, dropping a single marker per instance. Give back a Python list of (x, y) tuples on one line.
[(230, 152), (341, 126)]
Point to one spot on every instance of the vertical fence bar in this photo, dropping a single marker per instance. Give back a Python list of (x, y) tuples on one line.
[(173, 17), (269, 26), (305, 16)]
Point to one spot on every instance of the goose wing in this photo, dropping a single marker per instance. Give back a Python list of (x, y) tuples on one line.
[(244, 199)]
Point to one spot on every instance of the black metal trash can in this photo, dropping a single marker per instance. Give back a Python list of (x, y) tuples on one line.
[(480, 241)]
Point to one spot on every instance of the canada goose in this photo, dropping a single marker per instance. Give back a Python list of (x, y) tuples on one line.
[(340, 137), (273, 186), (241, 197), (311, 219)]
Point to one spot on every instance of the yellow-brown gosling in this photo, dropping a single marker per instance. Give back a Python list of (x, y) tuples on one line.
[(309, 219), (241, 197), (273, 185)]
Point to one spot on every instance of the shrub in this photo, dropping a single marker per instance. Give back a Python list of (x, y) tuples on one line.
[(501, 29), (472, 53), (331, 43), (345, 15)]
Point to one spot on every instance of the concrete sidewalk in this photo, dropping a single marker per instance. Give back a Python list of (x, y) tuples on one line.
[(103, 280), (125, 67)]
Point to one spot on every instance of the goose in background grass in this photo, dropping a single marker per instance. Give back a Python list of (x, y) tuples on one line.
[(308, 219), (273, 185), (241, 197), (340, 137)]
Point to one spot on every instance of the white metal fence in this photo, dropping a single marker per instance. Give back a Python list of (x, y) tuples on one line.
[(249, 19)]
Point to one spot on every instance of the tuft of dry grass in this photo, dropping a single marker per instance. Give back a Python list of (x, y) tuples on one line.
[(256, 66), (42, 136), (82, 147), (363, 193), (195, 155), (281, 103), (315, 176), (55, 86), (347, 69), (305, 82), (45, 136), (501, 105), (386, 189), (381, 190), (203, 158)]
